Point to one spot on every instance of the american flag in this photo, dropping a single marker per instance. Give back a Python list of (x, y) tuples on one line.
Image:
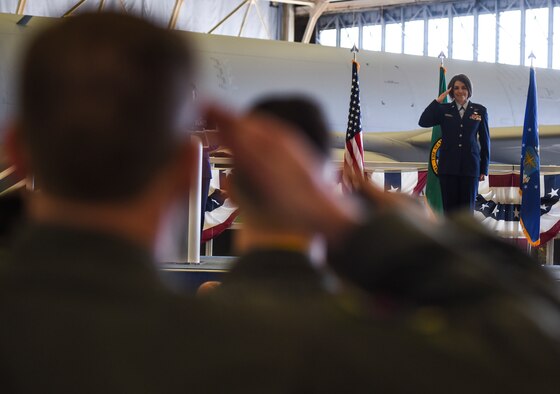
[(354, 153)]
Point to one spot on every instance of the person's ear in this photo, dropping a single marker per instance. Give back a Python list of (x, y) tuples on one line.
[(15, 149)]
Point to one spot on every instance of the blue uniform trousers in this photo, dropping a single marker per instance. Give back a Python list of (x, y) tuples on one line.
[(458, 192)]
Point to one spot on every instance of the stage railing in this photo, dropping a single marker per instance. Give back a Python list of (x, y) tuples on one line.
[(194, 219), (226, 162)]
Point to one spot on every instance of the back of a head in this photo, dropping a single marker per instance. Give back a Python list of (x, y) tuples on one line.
[(303, 114), (307, 119), (103, 98)]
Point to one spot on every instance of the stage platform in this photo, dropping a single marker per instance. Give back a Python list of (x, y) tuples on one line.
[(186, 277), (554, 271)]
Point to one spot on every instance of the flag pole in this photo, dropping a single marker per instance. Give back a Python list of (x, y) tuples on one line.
[(433, 187), (354, 50), (532, 57), (441, 57), (530, 167)]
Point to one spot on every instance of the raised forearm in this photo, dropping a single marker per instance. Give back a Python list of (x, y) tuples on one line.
[(430, 116)]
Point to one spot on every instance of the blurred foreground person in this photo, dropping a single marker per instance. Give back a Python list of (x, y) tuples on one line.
[(11, 215), (104, 105), (486, 315), (103, 113), (279, 274), (263, 240)]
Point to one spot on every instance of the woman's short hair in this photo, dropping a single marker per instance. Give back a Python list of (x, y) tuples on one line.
[(462, 78)]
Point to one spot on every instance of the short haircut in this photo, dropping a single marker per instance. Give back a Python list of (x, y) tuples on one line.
[(462, 78), (301, 112), (102, 100), (307, 119)]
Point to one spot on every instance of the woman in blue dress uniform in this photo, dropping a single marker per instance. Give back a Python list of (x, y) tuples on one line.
[(464, 153)]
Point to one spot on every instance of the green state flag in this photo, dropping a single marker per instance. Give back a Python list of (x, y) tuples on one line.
[(433, 188)]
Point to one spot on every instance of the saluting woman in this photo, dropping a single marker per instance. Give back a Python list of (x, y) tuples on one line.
[(464, 153)]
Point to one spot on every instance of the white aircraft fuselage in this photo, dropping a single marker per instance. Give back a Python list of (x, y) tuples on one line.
[(394, 88)]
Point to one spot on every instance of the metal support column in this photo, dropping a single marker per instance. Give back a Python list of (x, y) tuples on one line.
[(402, 30), (383, 31), (475, 33), (360, 32), (522, 33), (450, 33), (497, 31), (425, 51), (288, 22), (193, 242), (550, 252), (338, 35), (550, 33)]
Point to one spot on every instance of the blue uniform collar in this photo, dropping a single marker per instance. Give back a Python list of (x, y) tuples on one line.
[(456, 105)]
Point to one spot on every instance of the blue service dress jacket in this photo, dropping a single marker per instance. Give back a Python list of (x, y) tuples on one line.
[(460, 153)]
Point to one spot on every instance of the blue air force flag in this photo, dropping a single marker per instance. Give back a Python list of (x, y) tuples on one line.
[(530, 168)]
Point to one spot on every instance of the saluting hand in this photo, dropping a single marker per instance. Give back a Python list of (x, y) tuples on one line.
[(443, 96), (283, 168)]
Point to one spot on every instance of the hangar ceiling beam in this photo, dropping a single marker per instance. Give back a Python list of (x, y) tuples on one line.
[(74, 8), (20, 7), (123, 7), (244, 19), (263, 23), (175, 14), (296, 2), (314, 15), (355, 5), (228, 16), (249, 3)]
